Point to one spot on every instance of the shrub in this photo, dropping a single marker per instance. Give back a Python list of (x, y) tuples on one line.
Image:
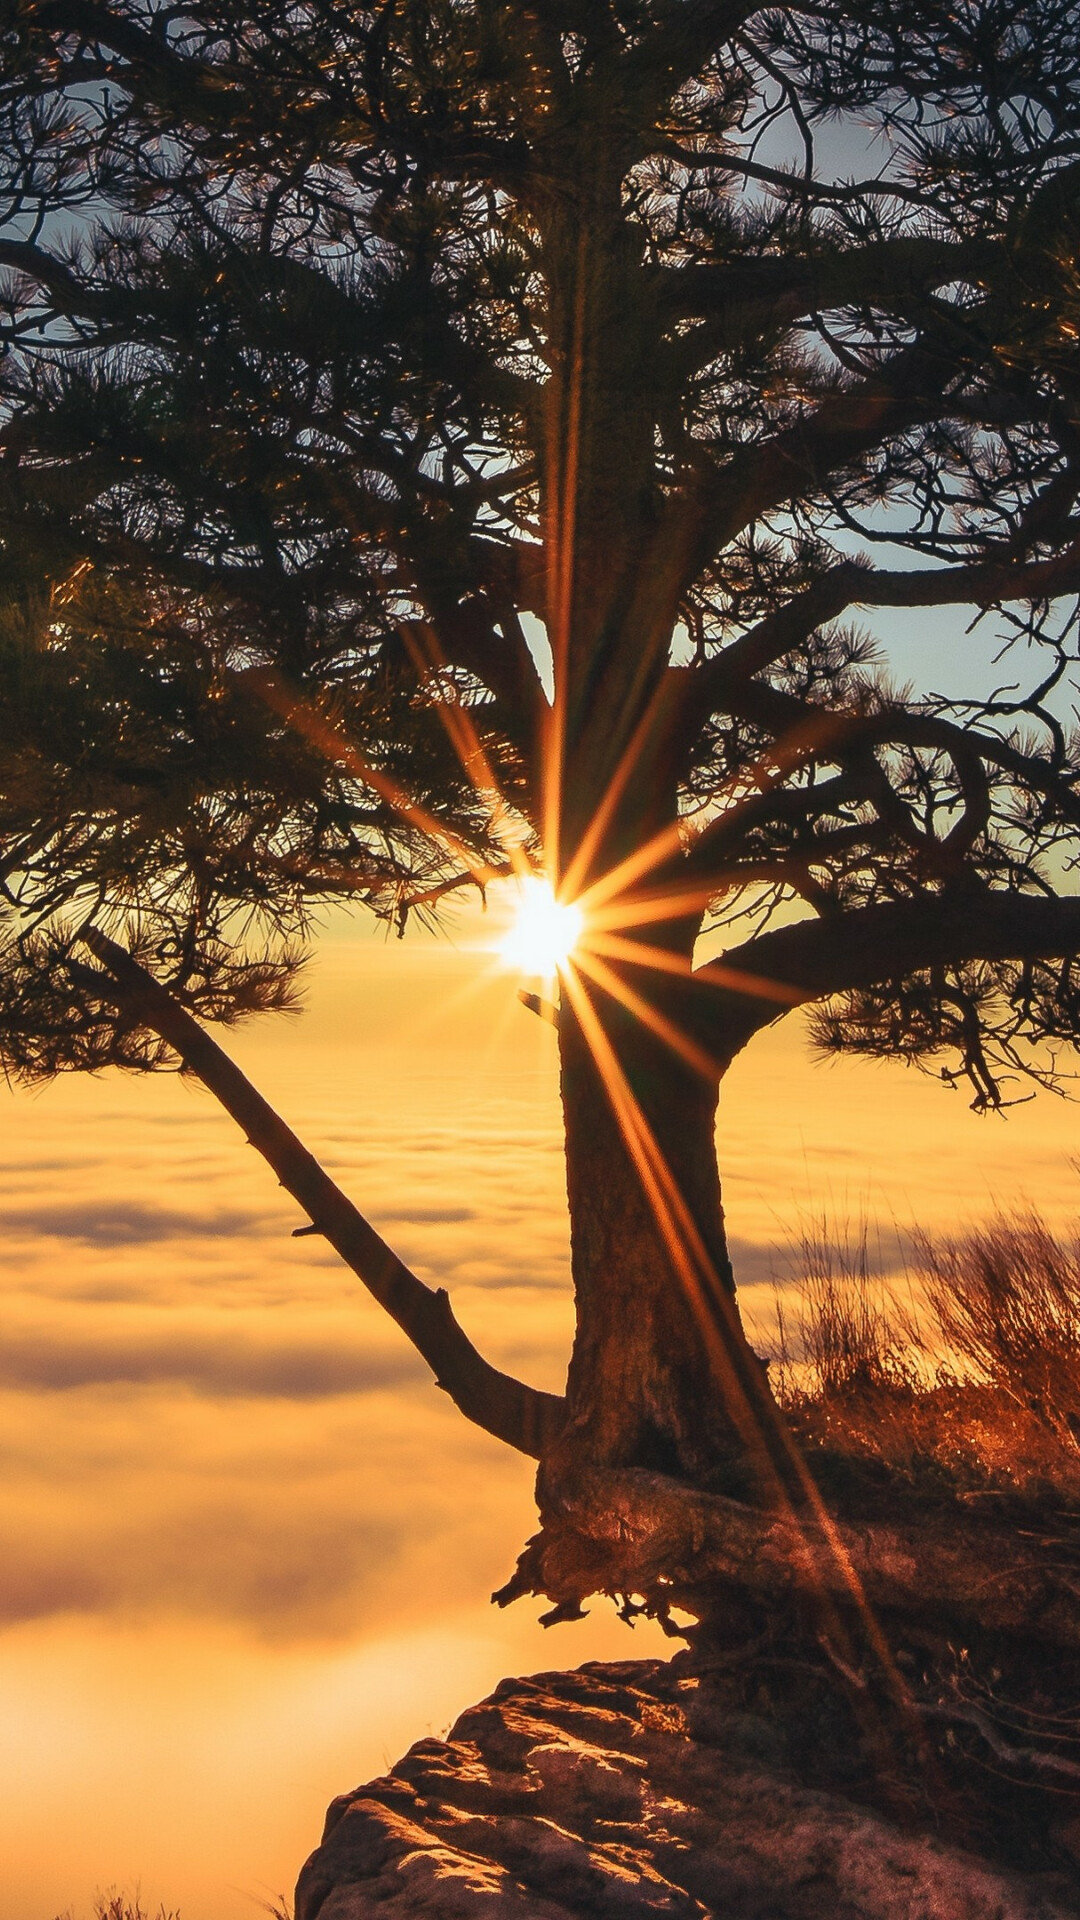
[(972, 1376)]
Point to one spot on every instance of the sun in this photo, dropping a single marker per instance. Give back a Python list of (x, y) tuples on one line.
[(544, 930)]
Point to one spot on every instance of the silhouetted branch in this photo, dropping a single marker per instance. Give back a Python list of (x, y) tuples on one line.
[(818, 958), (543, 1009), (524, 1417), (984, 583), (685, 36), (847, 425), (885, 274)]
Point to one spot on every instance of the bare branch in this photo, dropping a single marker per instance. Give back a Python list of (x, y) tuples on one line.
[(524, 1417)]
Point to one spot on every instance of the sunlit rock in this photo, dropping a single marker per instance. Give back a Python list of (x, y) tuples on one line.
[(632, 1789)]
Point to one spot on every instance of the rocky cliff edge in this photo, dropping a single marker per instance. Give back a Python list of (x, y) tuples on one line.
[(633, 1790)]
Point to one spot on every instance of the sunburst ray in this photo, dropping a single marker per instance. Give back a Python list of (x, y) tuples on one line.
[(666, 1030), (757, 1417)]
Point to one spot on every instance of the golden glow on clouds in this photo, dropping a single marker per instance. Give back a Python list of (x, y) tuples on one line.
[(544, 931), (245, 1547)]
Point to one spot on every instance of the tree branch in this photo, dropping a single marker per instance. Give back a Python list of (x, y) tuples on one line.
[(524, 1417), (686, 35), (817, 958), (852, 422), (73, 296), (888, 274), (984, 583), (803, 731)]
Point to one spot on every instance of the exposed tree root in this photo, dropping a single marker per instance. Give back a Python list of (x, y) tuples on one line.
[(640, 1534)]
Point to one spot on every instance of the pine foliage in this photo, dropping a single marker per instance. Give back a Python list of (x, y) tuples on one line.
[(349, 347)]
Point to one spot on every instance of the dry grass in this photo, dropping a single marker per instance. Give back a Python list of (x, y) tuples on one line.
[(970, 1379), (124, 1906)]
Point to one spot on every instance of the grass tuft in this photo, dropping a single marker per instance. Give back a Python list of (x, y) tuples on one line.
[(971, 1379), (113, 1905)]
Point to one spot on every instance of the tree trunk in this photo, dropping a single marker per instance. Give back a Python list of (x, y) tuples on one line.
[(661, 1374)]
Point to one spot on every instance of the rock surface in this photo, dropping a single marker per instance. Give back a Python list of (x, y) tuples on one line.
[(631, 1790)]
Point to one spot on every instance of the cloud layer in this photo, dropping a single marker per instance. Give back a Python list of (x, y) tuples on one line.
[(200, 1414)]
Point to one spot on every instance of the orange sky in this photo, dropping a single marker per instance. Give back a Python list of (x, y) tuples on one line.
[(245, 1546)]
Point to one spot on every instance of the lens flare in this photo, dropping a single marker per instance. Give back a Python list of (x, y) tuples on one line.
[(544, 930)]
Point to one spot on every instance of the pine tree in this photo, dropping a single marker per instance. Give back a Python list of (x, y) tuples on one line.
[(355, 355)]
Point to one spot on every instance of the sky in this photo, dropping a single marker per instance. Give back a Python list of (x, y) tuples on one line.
[(246, 1547)]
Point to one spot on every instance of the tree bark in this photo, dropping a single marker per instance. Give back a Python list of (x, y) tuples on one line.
[(661, 1375)]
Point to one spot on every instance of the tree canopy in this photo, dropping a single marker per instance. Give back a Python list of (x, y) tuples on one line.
[(449, 440)]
